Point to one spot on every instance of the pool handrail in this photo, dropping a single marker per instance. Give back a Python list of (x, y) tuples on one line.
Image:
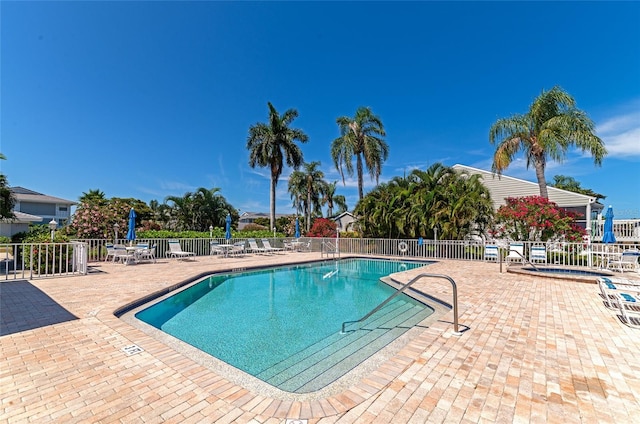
[(523, 258), (456, 332)]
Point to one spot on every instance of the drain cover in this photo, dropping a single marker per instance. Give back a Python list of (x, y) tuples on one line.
[(298, 421), (132, 349)]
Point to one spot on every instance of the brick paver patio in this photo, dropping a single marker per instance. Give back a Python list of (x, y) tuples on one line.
[(533, 350)]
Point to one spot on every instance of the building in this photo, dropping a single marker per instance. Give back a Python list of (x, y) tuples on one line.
[(345, 221), (502, 186), (250, 217), (32, 207)]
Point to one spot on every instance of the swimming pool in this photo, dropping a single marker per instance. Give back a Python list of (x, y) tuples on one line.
[(282, 325)]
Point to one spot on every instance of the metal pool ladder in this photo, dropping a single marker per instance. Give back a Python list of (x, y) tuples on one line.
[(456, 332), (329, 248)]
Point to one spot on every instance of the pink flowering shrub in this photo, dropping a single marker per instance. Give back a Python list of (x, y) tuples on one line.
[(535, 218), (95, 221)]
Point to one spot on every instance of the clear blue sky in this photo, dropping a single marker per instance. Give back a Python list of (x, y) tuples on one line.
[(150, 99)]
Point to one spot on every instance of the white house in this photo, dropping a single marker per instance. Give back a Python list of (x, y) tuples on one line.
[(33, 207)]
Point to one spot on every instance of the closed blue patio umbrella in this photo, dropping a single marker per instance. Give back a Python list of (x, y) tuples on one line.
[(131, 234), (608, 236), (227, 233), (297, 235)]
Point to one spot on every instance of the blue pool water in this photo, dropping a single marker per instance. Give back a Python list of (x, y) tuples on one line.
[(283, 325), (569, 271)]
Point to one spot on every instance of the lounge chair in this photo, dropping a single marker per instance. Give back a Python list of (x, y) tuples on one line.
[(175, 251), (516, 253), (491, 252), (253, 247), (627, 261), (267, 245), (628, 303), (538, 254), (610, 286)]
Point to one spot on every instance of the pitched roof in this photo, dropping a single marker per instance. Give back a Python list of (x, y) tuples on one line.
[(502, 186), (21, 217), (339, 216), (25, 195)]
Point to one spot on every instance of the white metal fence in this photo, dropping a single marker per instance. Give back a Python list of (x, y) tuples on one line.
[(38, 260), (565, 254)]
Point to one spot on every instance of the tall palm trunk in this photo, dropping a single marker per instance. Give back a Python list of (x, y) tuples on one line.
[(359, 170), (272, 200), (308, 208), (542, 183)]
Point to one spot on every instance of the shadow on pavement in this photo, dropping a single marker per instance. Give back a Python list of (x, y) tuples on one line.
[(25, 307)]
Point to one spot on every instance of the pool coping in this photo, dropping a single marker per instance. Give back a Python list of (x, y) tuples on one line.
[(590, 279)]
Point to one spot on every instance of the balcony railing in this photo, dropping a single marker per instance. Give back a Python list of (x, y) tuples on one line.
[(623, 230)]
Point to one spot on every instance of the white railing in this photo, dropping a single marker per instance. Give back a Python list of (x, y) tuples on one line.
[(38, 260), (623, 230)]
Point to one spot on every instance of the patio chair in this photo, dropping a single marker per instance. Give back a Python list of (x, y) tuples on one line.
[(538, 254), (175, 251), (238, 249), (253, 247), (516, 253), (215, 248), (111, 252), (627, 261), (491, 252), (121, 254), (267, 245), (146, 254)]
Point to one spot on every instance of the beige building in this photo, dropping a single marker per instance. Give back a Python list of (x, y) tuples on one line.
[(502, 186)]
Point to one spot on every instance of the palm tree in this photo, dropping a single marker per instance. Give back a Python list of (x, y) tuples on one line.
[(360, 136), (330, 199), (273, 145), (310, 184), (546, 131), (7, 199), (412, 206), (199, 210), (94, 197)]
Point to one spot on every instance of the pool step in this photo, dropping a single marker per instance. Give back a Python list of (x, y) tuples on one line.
[(312, 369)]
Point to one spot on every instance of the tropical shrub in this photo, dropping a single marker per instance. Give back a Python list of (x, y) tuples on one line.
[(255, 227), (456, 204), (535, 218), (323, 227)]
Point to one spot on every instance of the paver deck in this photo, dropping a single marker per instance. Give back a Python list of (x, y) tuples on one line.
[(533, 350)]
